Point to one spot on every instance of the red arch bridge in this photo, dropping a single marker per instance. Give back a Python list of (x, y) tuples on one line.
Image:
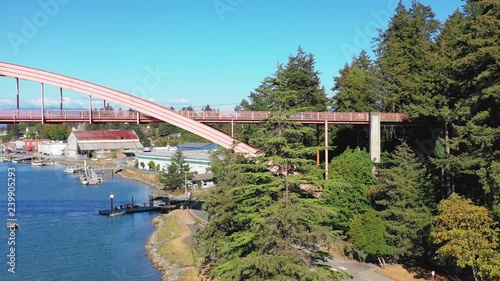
[(145, 111)]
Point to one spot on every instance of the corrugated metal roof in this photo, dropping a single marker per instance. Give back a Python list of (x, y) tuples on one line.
[(203, 177), (193, 145), (88, 145), (106, 135), (190, 155)]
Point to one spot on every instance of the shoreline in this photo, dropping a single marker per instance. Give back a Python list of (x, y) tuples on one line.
[(169, 269)]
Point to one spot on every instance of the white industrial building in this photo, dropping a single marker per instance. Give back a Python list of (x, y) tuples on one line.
[(198, 160), (52, 148)]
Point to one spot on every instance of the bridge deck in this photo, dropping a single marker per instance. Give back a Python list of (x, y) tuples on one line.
[(123, 116)]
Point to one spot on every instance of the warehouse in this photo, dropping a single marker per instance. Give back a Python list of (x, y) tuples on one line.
[(102, 143)]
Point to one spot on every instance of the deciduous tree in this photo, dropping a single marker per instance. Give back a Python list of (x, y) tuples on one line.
[(468, 234)]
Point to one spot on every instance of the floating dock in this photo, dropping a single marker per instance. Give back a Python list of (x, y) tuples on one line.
[(141, 209), (131, 210)]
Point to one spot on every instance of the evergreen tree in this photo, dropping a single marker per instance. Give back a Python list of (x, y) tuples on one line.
[(401, 200), (367, 232), (356, 89), (476, 76), (295, 87), (347, 190), (262, 219), (174, 177), (403, 57)]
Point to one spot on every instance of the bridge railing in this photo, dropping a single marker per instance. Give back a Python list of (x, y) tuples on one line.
[(260, 115), (69, 114)]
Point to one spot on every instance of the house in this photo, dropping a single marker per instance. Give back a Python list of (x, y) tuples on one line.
[(31, 145), (102, 142), (203, 180)]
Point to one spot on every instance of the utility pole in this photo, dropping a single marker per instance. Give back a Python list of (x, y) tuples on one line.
[(185, 185)]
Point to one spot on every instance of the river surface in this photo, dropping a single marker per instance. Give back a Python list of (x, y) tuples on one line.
[(61, 234)]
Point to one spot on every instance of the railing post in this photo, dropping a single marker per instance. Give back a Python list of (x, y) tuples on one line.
[(90, 109), (17, 94), (326, 149), (43, 101), (232, 128)]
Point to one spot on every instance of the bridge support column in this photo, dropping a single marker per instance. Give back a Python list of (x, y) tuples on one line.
[(90, 109), (375, 136), (326, 149), (17, 94), (60, 99), (317, 145), (43, 102), (232, 128)]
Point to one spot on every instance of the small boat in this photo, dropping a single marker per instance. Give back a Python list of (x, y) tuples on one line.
[(70, 170), (117, 213), (11, 224), (37, 163)]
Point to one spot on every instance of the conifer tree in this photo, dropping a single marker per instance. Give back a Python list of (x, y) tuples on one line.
[(356, 89), (262, 218), (403, 56), (476, 76), (401, 201)]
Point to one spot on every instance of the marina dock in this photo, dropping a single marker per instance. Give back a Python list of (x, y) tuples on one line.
[(163, 208)]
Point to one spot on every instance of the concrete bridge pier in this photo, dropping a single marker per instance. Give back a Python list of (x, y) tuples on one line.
[(375, 136)]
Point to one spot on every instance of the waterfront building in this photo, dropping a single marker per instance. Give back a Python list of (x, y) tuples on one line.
[(197, 155), (31, 145), (52, 148), (102, 142), (198, 146)]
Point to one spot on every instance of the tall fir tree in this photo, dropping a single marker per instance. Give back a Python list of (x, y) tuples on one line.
[(403, 51), (402, 201), (476, 72), (356, 89)]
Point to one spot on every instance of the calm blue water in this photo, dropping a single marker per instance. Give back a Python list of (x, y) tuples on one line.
[(62, 237)]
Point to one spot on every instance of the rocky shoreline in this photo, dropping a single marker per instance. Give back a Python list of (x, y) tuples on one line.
[(160, 263)]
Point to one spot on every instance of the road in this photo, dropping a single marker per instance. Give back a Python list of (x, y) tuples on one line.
[(359, 271)]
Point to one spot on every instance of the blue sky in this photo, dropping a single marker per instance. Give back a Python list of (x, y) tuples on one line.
[(197, 52)]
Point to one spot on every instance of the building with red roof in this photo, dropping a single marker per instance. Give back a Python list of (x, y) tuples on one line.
[(86, 142)]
